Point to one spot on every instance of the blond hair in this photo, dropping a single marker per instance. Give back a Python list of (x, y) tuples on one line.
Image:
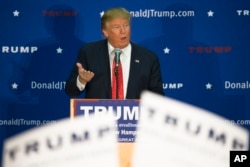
[(114, 13)]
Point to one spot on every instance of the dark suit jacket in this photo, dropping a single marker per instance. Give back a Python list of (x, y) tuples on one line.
[(144, 72)]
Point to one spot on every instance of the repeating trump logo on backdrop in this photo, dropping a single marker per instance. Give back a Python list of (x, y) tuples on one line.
[(172, 85), (58, 85), (19, 49)]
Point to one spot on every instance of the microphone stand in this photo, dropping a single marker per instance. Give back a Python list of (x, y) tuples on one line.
[(117, 58), (116, 77)]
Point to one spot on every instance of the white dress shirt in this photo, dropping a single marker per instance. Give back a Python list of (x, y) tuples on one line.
[(125, 58)]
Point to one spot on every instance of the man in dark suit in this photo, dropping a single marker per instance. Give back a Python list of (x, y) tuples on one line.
[(93, 70)]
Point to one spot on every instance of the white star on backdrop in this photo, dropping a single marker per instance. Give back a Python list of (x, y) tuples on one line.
[(166, 50), (59, 50), (14, 86), (208, 86), (210, 13), (16, 13), (102, 13)]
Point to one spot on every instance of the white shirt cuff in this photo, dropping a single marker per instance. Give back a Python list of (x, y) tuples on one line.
[(80, 86)]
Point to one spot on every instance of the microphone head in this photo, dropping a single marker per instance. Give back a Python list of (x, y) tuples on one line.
[(117, 52)]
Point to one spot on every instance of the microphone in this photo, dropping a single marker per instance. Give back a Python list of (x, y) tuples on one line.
[(117, 52), (117, 56)]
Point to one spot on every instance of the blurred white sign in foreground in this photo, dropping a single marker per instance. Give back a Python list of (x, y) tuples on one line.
[(81, 142), (171, 133)]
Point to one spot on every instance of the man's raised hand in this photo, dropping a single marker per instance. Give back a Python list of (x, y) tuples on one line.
[(84, 75)]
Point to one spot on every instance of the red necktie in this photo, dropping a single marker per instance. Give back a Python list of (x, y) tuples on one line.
[(117, 79)]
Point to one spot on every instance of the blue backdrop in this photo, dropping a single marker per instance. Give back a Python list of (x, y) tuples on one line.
[(203, 47)]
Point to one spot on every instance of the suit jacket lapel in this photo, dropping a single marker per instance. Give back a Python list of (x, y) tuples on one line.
[(135, 67), (106, 63)]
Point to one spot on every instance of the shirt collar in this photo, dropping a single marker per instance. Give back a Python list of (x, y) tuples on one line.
[(111, 48)]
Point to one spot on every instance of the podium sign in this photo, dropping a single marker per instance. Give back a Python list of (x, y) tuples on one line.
[(126, 114)]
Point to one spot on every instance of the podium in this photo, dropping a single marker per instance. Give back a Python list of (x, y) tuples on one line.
[(126, 112)]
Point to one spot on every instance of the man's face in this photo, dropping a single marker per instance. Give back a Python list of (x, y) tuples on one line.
[(117, 32)]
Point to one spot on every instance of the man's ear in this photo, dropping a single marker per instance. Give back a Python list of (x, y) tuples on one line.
[(105, 33)]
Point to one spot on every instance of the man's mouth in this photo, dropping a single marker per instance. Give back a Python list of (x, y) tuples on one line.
[(123, 38)]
